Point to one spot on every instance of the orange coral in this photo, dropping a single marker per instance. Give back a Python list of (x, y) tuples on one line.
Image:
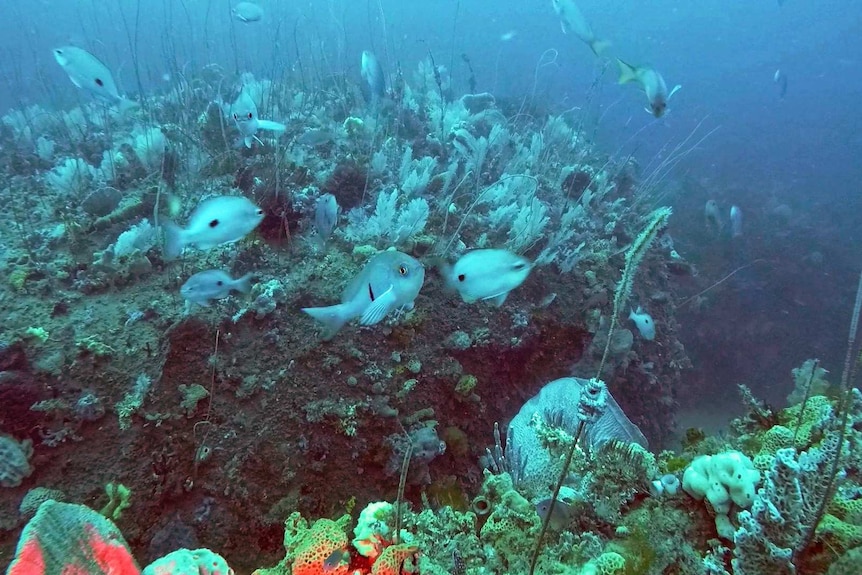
[(392, 559), (323, 539)]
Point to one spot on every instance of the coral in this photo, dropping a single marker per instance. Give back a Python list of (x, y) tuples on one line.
[(391, 561), (818, 410), (119, 497), (140, 237), (608, 563), (35, 498), (14, 461), (187, 562), (323, 539)]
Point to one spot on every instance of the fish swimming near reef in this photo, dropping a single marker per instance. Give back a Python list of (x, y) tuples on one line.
[(336, 558), (208, 285), (572, 20), (215, 221), (389, 280), (561, 516), (90, 74), (651, 82), (244, 114), (248, 12), (644, 322), (374, 85), (487, 274), (325, 216)]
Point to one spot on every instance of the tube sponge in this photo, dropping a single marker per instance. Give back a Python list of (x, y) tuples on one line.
[(722, 479)]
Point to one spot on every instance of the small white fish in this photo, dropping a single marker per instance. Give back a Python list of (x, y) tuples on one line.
[(203, 287), (644, 323), (735, 221), (508, 36), (780, 78), (388, 281), (248, 12), (90, 74), (651, 82), (244, 114), (325, 216), (487, 275), (572, 20), (712, 216), (216, 221), (372, 73)]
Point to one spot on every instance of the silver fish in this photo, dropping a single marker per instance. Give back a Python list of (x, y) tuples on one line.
[(651, 82), (735, 221), (216, 221), (316, 137), (325, 216), (780, 78), (388, 281), (203, 287), (561, 516), (247, 12), (372, 73), (572, 20), (244, 114), (487, 275), (90, 74)]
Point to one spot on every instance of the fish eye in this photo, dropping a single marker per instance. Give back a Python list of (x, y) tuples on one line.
[(259, 212), (99, 82), (402, 269), (219, 283), (461, 277), (250, 115), (519, 266), (213, 223), (235, 116)]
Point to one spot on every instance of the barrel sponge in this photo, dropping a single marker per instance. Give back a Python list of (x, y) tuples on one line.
[(722, 479)]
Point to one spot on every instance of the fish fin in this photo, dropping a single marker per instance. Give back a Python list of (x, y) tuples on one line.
[(174, 241), (599, 46), (676, 89), (75, 81), (563, 27), (498, 300), (332, 318), (126, 105), (378, 309), (248, 140), (628, 73), (271, 126), (244, 283)]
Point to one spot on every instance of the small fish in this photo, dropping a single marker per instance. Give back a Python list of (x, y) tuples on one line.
[(244, 114), (90, 74), (651, 83), (316, 137), (644, 323), (561, 516), (780, 78), (247, 12), (325, 216), (336, 558), (388, 281), (712, 215), (508, 36), (203, 287), (735, 221), (487, 275), (372, 73), (216, 221), (572, 20)]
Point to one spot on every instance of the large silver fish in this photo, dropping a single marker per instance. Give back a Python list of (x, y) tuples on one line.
[(372, 73), (651, 83), (388, 281), (572, 20), (208, 285), (487, 275), (90, 74), (216, 221), (244, 114)]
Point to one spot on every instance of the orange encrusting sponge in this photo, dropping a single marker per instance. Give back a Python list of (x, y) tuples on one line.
[(323, 539), (392, 559)]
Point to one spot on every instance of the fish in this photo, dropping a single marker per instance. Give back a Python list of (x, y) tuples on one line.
[(90, 74), (244, 114), (205, 286), (572, 20), (561, 516), (643, 321), (372, 74), (487, 274), (390, 280), (316, 137), (215, 221), (508, 36), (325, 216), (651, 82), (780, 78), (248, 12), (735, 221), (712, 215), (335, 559)]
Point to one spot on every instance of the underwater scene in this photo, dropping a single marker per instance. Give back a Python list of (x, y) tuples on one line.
[(389, 287)]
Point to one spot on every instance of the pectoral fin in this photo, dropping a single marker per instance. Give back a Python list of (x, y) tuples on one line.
[(674, 91), (498, 300), (378, 308)]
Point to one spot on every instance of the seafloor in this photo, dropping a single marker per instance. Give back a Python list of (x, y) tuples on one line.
[(223, 421)]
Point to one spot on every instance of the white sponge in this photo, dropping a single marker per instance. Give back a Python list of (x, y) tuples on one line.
[(722, 479)]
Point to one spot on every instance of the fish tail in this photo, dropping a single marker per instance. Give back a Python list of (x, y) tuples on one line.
[(127, 105), (244, 283), (332, 318), (174, 240), (628, 73), (271, 126), (599, 46)]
